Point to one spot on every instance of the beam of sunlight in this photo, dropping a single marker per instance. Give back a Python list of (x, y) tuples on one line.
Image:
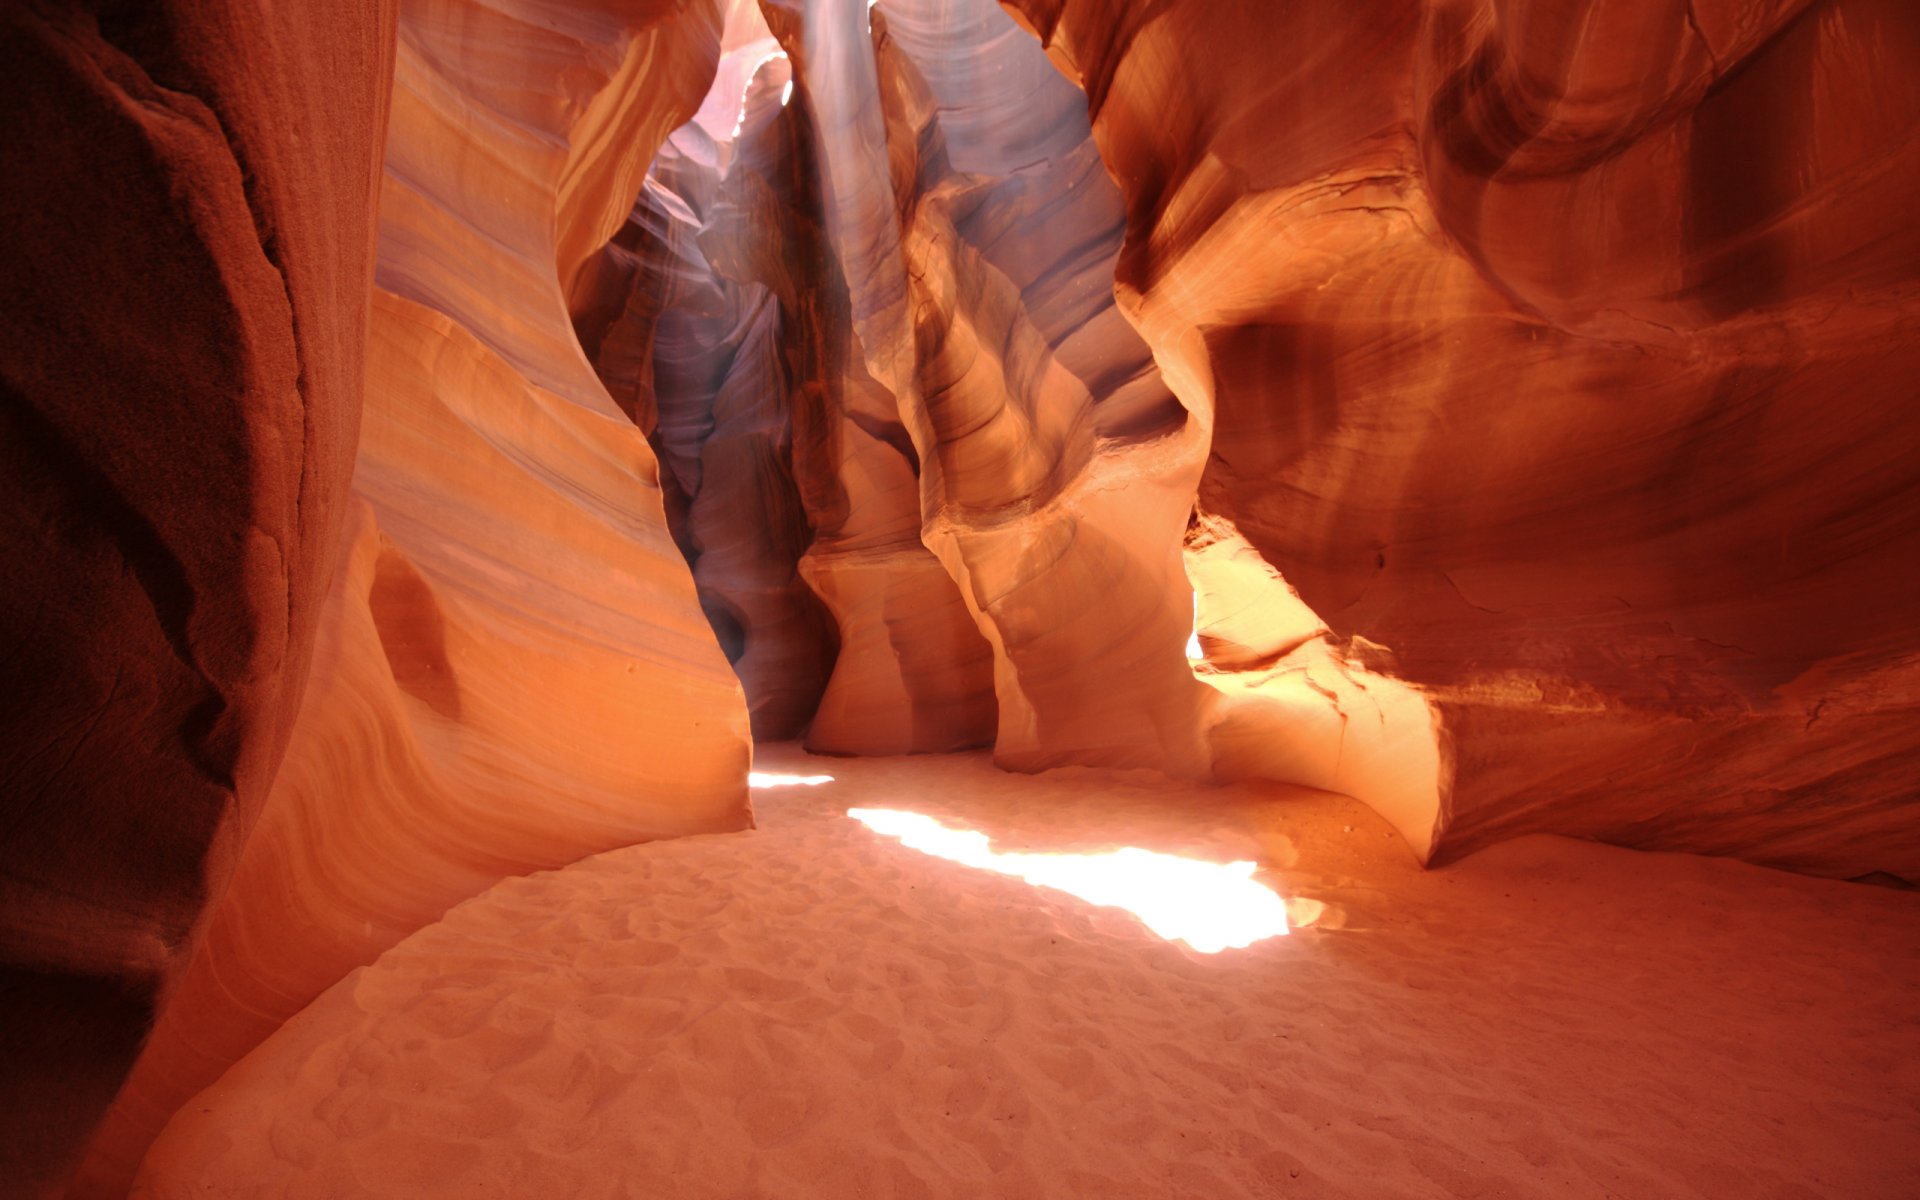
[(770, 779), (1209, 906), (1194, 652)]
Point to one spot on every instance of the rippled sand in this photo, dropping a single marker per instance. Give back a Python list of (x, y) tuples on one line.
[(812, 1009)]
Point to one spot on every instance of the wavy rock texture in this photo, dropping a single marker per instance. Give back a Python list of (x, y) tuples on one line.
[(512, 670), (1052, 470), (1298, 705), (1566, 351), (696, 356), (1055, 471), (733, 333), (1543, 373), (188, 211)]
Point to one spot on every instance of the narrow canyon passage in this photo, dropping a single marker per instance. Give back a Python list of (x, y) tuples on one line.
[(1439, 480), (813, 1009)]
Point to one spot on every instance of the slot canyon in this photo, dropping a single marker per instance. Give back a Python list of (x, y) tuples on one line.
[(960, 598)]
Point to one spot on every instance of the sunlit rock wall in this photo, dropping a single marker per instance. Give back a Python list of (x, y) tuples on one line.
[(733, 343), (1555, 360), (997, 488), (1055, 471), (512, 669), (1296, 703), (1566, 350), (188, 206), (995, 474)]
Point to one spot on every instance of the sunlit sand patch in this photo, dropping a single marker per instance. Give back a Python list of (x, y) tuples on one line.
[(773, 779), (1209, 906)]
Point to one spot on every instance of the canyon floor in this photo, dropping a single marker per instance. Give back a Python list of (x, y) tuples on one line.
[(813, 1009)]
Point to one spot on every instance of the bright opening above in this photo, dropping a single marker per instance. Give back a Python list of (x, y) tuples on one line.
[(767, 779), (1209, 906)]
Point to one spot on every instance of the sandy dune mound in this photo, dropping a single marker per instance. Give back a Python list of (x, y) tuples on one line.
[(813, 1009)]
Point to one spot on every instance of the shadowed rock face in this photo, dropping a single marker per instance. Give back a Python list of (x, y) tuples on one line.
[(735, 327), (188, 213), (687, 311)]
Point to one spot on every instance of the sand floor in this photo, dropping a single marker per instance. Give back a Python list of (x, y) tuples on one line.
[(814, 1010)]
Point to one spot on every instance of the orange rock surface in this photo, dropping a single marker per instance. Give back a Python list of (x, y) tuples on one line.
[(731, 340), (512, 670), (1499, 412), (187, 208), (695, 354), (1476, 443), (1054, 467), (1566, 351)]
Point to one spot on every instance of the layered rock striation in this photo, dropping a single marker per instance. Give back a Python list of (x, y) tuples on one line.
[(1509, 404), (1565, 351), (188, 208), (1055, 470), (1503, 346), (689, 335), (992, 468), (731, 333), (511, 670)]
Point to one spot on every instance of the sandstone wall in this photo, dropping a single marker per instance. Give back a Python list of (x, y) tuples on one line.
[(188, 202), (511, 671), (1565, 350)]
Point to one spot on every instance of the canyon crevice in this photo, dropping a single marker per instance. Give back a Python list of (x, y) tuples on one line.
[(442, 437)]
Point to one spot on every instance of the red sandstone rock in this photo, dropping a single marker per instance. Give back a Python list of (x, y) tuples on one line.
[(1566, 353), (735, 330), (1055, 472), (697, 355), (187, 205), (1295, 704), (512, 670), (1559, 356)]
